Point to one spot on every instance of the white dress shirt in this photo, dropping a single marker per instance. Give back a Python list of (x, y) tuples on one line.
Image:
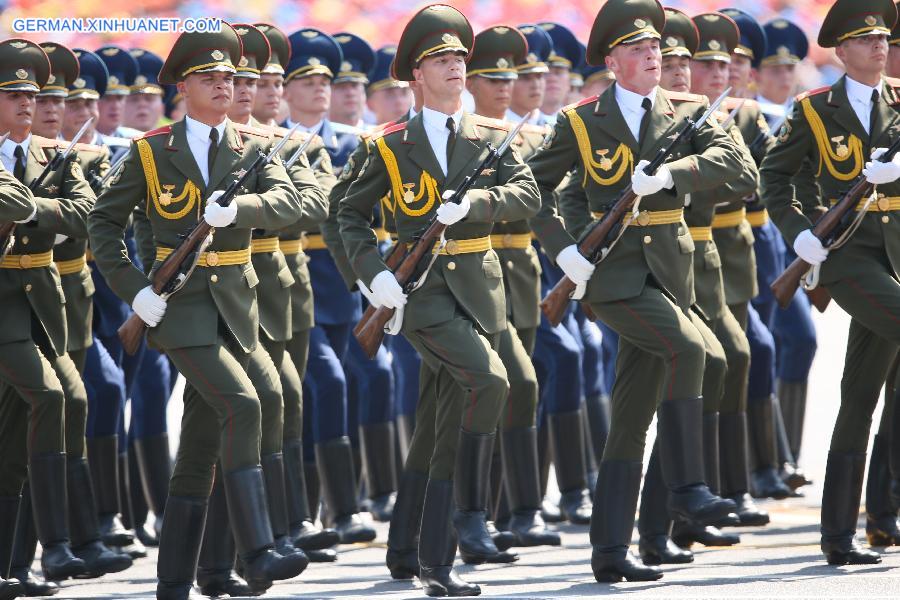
[(631, 106), (198, 141), (7, 152), (860, 96), (436, 129)]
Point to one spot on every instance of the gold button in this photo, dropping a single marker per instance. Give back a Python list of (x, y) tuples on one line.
[(885, 219), (212, 259), (884, 205), (508, 240), (452, 247), (25, 240), (451, 266), (25, 261), (214, 278), (27, 287), (509, 264), (647, 239), (643, 218)]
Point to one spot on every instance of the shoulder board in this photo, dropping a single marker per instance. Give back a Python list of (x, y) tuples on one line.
[(814, 92), (684, 97), (492, 123), (588, 100), (164, 130), (388, 130), (247, 129), (376, 131), (731, 103), (89, 148)]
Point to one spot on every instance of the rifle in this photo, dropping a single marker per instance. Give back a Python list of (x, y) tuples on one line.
[(762, 136), (371, 332), (98, 183), (603, 235), (177, 268), (7, 230), (393, 260), (834, 228)]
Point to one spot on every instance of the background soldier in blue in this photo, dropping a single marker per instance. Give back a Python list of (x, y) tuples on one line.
[(144, 106), (122, 69)]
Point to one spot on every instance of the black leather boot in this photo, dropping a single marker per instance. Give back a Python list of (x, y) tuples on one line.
[(437, 544), (765, 480), (473, 463), (655, 546), (215, 568), (135, 509), (597, 414), (155, 468), (792, 400), (792, 476), (47, 478), (735, 476), (377, 442), (338, 476), (24, 548), (840, 509), (103, 457), (402, 557), (567, 440), (303, 531), (249, 515), (881, 518), (685, 534), (681, 459), (83, 525), (549, 509), (179, 547), (10, 588), (612, 524), (712, 467), (523, 490), (273, 473)]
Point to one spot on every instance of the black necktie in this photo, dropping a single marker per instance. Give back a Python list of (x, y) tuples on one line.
[(213, 150), (645, 120), (19, 167), (873, 116), (451, 139)]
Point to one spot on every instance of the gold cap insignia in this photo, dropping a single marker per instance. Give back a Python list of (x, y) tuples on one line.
[(242, 31), (783, 51), (711, 18), (140, 80), (714, 45), (18, 45), (501, 30), (527, 30), (449, 38), (262, 27), (51, 79), (113, 80), (21, 73), (136, 52), (870, 20), (780, 24), (217, 55), (79, 83), (502, 63), (49, 49), (390, 50), (346, 66), (310, 34), (671, 41), (532, 57), (314, 61), (243, 62), (343, 39), (110, 51), (640, 23)]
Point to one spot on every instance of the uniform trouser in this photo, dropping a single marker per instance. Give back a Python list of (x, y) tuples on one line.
[(34, 427), (795, 338), (325, 415), (105, 384), (650, 325), (610, 348), (263, 374), (761, 382), (221, 418), (293, 370), (151, 395), (406, 366), (370, 387), (730, 332), (557, 361), (463, 383), (520, 409), (592, 364)]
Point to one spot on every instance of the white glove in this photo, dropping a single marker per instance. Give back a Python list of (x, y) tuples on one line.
[(387, 290), (576, 267), (149, 306), (645, 185), (809, 248), (882, 172), (370, 296), (451, 212), (219, 216)]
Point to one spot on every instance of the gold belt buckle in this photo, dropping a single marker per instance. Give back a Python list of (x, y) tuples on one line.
[(884, 204), (508, 240), (212, 259), (643, 218), (25, 261), (451, 247)]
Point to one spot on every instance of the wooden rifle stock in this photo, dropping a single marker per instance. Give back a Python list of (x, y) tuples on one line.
[(827, 228)]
